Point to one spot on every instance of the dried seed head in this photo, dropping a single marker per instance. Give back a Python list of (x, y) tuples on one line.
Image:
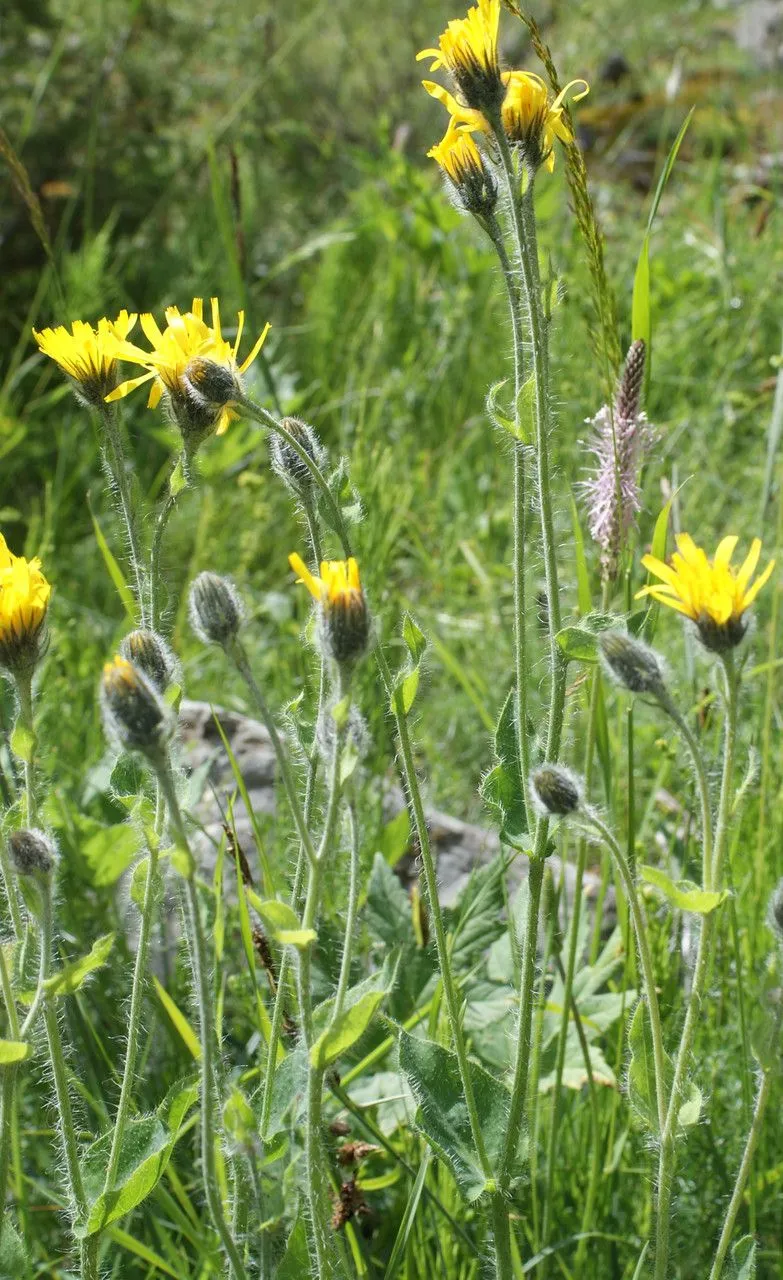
[(149, 652), (288, 464), (215, 609), (633, 663), (134, 714), (32, 852), (557, 790)]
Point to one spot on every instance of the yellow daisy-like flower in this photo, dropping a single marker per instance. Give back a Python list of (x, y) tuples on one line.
[(710, 592), (88, 355), (468, 49), (462, 163), (24, 599), (529, 118), (192, 361), (344, 612)]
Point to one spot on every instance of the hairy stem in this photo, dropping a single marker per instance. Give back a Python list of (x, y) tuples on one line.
[(115, 465), (762, 1098)]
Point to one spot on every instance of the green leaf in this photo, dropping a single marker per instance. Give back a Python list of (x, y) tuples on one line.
[(295, 1262), (657, 549), (138, 884), (12, 1051), (641, 1071), (743, 1257), (408, 1219), (395, 837), (502, 786), (23, 742), (346, 1030), (349, 759), (115, 572), (414, 638), (410, 687), (73, 975), (683, 894), (690, 1110), (433, 1075), (282, 921), (583, 593), (147, 1144), (359, 1006), (14, 1260), (388, 909), (177, 479), (110, 852), (579, 642), (178, 1019), (143, 1251)]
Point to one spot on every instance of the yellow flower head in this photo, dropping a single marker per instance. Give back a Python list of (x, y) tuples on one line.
[(462, 163), (529, 119), (468, 49), (344, 612), (24, 598), (710, 592), (87, 355), (193, 362)]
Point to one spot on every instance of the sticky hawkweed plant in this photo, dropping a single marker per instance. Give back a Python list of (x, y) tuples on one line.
[(346, 1042)]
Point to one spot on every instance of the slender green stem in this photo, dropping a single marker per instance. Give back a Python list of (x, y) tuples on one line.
[(645, 957), (762, 1098), (115, 464), (156, 582), (317, 1181), (210, 1119), (134, 1019), (60, 1075), (350, 916), (259, 414), (24, 689), (702, 783), (500, 1220), (236, 652), (88, 1258), (519, 517), (8, 1090), (668, 1155)]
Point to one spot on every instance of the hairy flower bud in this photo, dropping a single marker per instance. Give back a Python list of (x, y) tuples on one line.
[(776, 911), (32, 852), (151, 655), (288, 464), (556, 789), (133, 712), (215, 609), (343, 612), (633, 663)]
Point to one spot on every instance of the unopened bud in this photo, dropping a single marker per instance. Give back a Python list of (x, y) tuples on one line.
[(215, 383), (557, 790), (633, 663), (215, 609), (134, 714), (149, 652), (32, 852), (288, 464)]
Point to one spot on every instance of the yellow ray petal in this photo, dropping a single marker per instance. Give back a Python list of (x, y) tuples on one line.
[(249, 360), (126, 387), (752, 592), (748, 566)]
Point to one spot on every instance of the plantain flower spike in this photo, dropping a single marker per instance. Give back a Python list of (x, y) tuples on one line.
[(194, 367), (709, 592), (24, 600), (343, 613), (475, 189), (135, 716), (88, 355)]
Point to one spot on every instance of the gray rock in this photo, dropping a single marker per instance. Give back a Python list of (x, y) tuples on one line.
[(458, 846)]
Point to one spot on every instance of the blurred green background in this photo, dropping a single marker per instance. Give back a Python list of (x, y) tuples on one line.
[(276, 155)]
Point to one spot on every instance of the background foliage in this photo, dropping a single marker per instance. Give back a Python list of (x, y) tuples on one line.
[(275, 155)]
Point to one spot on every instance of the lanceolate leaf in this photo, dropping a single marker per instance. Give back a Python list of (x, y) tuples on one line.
[(73, 975), (683, 893), (433, 1075), (12, 1051)]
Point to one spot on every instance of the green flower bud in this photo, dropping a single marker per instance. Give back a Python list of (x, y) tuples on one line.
[(134, 714), (215, 609), (633, 663), (288, 464), (557, 790), (32, 852), (152, 656)]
